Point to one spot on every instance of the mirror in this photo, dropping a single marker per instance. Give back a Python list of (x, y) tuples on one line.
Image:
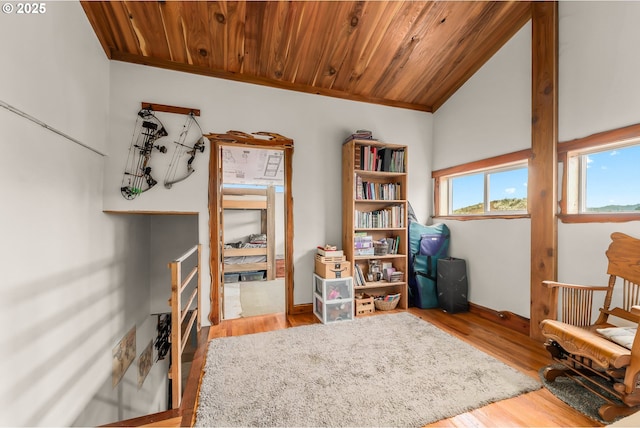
[(251, 222)]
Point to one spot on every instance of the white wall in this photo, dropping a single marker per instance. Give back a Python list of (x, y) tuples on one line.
[(318, 125), (489, 116), (599, 90), (75, 280), (170, 237)]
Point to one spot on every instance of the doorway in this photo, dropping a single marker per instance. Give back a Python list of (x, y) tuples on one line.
[(251, 225)]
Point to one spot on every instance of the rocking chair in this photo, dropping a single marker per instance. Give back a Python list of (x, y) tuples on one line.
[(589, 351)]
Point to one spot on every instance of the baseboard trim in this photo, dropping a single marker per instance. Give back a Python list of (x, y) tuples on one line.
[(304, 308), (508, 319)]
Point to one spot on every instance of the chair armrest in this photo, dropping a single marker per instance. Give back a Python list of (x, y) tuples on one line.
[(552, 284)]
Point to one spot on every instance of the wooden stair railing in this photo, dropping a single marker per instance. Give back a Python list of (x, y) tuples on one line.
[(179, 313)]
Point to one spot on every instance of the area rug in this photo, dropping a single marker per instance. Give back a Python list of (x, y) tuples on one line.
[(262, 297), (383, 370), (577, 396)]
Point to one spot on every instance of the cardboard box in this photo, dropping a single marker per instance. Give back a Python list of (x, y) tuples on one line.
[(341, 269)]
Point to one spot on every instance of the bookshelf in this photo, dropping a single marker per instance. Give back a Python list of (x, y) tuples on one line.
[(374, 213)]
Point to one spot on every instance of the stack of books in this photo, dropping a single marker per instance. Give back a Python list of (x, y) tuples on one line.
[(360, 134)]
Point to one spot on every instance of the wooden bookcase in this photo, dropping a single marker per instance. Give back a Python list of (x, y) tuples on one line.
[(388, 183)]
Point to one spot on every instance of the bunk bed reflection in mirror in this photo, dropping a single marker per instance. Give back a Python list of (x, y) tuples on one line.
[(253, 235), (253, 255)]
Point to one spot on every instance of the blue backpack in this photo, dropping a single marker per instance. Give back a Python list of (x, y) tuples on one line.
[(427, 244)]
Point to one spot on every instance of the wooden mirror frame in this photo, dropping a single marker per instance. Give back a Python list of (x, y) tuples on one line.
[(273, 141)]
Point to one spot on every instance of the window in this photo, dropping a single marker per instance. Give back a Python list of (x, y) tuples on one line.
[(495, 187), (602, 176)]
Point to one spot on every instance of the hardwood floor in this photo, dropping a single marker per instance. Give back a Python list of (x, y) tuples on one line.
[(538, 408)]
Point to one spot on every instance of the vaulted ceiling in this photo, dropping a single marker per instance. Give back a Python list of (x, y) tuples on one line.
[(409, 54)]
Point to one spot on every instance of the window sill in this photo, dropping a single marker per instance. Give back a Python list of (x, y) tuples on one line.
[(599, 218), (483, 217)]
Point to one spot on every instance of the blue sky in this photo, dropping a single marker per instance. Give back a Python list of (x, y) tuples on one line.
[(613, 177)]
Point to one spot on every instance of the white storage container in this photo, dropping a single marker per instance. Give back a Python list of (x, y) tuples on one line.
[(333, 299)]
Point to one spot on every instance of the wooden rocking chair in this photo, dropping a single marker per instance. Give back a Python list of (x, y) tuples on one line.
[(587, 351)]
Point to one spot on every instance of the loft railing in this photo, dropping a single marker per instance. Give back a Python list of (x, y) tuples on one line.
[(179, 313)]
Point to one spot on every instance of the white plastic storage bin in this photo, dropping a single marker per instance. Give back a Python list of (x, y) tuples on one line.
[(333, 299), (333, 289)]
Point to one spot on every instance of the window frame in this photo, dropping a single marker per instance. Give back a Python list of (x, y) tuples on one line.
[(569, 154), (490, 165)]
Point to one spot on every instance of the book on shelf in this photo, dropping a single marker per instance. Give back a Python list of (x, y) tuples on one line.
[(377, 191), (390, 217), (385, 159), (359, 187), (359, 276)]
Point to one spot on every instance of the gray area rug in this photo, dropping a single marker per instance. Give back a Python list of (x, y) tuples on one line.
[(578, 396), (384, 370)]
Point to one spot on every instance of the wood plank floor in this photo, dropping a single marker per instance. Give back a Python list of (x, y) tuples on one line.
[(538, 408)]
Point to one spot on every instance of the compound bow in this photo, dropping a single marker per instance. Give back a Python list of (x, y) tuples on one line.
[(137, 171), (182, 149)]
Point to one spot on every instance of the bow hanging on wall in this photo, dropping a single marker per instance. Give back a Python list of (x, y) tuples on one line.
[(182, 149), (137, 175)]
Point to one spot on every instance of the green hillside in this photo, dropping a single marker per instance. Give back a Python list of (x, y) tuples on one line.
[(509, 204), (520, 204), (615, 208)]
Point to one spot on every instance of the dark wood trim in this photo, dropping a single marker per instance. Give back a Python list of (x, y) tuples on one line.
[(600, 139), (288, 250), (482, 217), (146, 419), (564, 160), (304, 308), (170, 109), (215, 207), (599, 218), (543, 166), (189, 403), (481, 164), (508, 319)]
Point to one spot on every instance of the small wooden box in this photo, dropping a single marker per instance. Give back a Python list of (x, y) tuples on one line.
[(364, 306), (333, 269)]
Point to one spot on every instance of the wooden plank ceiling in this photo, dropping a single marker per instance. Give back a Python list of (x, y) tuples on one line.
[(409, 54)]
